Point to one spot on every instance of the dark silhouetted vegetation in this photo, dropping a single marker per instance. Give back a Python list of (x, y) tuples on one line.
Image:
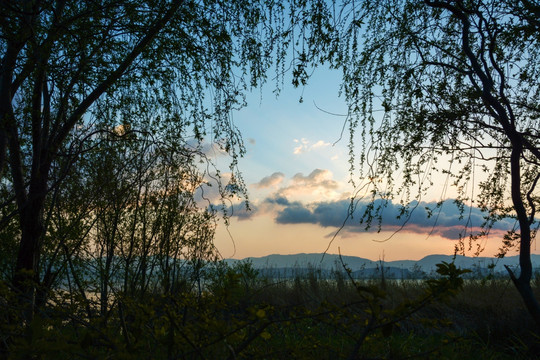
[(107, 111), (239, 314)]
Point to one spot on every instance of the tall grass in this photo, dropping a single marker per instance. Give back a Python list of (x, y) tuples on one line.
[(486, 316), (240, 314)]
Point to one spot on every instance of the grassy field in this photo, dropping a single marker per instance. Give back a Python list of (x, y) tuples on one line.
[(484, 319), (241, 315)]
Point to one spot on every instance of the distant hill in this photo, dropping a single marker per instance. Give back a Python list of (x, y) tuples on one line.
[(399, 268)]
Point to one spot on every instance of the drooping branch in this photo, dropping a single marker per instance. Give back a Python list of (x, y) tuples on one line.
[(152, 32)]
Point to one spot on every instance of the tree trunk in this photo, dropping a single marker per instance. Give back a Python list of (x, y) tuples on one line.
[(523, 282), (26, 276), (524, 288)]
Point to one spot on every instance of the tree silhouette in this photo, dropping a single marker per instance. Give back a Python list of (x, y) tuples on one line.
[(71, 70), (454, 82)]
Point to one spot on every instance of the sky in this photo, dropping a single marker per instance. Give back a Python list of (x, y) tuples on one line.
[(297, 173)]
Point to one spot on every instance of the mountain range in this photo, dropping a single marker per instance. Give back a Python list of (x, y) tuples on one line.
[(299, 263)]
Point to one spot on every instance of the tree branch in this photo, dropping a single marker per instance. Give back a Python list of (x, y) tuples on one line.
[(115, 75)]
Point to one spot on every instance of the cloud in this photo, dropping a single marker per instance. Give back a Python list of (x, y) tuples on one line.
[(241, 212), (446, 220), (278, 200), (317, 178), (332, 213), (318, 184), (315, 199), (299, 187), (269, 181), (295, 192), (453, 232), (324, 214), (210, 149), (303, 146), (320, 144), (295, 214)]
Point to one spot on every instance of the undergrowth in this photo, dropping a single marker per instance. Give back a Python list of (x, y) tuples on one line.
[(238, 314)]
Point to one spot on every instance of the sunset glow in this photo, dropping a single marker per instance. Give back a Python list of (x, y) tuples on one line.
[(297, 173)]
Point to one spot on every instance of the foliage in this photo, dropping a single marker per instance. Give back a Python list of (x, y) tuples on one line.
[(106, 109), (246, 316), (437, 87), (441, 88)]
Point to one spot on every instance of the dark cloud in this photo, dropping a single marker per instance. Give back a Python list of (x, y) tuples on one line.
[(325, 214), (279, 200), (450, 232), (295, 214), (332, 213), (446, 220)]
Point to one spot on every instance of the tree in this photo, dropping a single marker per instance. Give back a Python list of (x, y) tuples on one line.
[(454, 82), (73, 69), (141, 223)]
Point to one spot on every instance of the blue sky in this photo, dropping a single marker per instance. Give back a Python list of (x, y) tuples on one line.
[(273, 128)]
